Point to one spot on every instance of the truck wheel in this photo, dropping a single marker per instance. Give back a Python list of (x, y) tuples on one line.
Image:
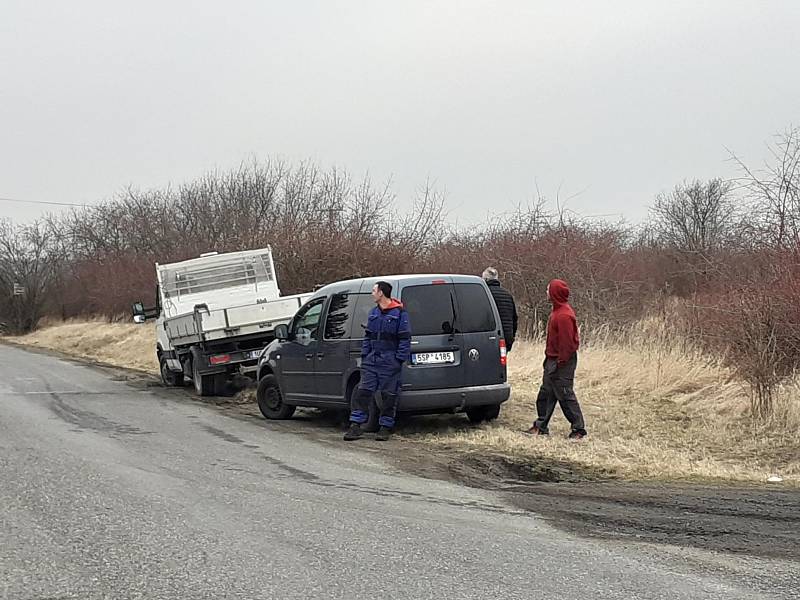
[(479, 414), (270, 400), (204, 385), (169, 377)]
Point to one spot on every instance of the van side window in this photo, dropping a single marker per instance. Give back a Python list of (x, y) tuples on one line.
[(337, 325), (475, 314), (347, 316), (364, 304), (430, 309), (308, 317)]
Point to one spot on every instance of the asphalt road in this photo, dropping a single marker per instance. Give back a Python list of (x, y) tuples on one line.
[(114, 491)]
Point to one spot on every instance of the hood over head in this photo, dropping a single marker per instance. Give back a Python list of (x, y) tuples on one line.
[(558, 290)]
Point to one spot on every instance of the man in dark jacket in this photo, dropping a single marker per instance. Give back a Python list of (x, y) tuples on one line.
[(561, 358), (386, 346), (505, 306)]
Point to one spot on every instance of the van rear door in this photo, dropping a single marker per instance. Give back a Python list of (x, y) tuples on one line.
[(481, 334), (436, 356)]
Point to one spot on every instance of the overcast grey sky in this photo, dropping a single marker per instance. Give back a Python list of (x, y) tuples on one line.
[(613, 101)]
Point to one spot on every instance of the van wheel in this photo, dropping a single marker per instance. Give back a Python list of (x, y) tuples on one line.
[(169, 377), (480, 414), (270, 400)]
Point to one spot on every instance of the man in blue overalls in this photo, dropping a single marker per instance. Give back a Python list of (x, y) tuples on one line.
[(386, 346)]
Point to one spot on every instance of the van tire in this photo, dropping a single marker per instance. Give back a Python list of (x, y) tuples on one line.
[(270, 400), (482, 414)]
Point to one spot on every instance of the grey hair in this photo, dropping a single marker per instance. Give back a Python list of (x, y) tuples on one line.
[(490, 273)]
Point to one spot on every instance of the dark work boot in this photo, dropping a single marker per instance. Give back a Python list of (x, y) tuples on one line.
[(353, 433), (536, 430), (384, 433)]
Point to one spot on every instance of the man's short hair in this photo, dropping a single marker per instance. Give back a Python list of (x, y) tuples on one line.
[(490, 273), (385, 287)]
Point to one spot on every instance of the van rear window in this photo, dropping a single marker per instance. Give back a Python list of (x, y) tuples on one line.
[(475, 314), (443, 309), (430, 308)]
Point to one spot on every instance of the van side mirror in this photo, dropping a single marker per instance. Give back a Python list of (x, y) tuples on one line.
[(282, 332), (303, 336)]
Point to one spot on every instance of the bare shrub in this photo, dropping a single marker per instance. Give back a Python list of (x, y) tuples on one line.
[(774, 192), (755, 325), (29, 262)]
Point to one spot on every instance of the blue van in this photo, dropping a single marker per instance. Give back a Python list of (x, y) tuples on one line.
[(458, 354)]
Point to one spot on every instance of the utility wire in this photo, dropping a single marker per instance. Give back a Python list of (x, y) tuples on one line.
[(42, 202)]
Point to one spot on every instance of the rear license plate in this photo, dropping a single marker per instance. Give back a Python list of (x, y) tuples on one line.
[(255, 354), (433, 358)]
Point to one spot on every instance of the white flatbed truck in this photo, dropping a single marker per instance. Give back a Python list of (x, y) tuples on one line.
[(214, 315)]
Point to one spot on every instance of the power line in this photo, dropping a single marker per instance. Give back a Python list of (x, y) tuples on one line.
[(42, 202)]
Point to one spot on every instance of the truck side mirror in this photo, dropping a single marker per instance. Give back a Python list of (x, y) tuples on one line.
[(138, 313), (141, 314)]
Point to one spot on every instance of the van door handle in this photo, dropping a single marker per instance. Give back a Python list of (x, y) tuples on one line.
[(309, 356), (320, 354)]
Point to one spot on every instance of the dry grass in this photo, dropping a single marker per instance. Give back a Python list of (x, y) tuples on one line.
[(653, 410), (119, 344)]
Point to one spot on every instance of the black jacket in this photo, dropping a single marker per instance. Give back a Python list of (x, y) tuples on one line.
[(507, 309)]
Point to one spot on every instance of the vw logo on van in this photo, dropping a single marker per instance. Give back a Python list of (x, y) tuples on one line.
[(474, 354)]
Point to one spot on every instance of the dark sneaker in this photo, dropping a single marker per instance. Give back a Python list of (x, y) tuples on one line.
[(576, 436), (536, 430), (384, 433), (353, 433)]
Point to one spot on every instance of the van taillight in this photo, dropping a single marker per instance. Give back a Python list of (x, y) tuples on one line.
[(438, 282), (220, 359), (503, 353)]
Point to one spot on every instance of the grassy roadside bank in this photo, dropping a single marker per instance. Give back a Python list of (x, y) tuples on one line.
[(653, 411)]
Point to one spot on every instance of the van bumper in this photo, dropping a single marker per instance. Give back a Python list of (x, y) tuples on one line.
[(453, 399)]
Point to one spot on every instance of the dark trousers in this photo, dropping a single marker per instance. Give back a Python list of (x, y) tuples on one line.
[(372, 381), (557, 387)]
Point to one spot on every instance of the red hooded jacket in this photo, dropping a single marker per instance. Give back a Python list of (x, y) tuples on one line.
[(562, 327)]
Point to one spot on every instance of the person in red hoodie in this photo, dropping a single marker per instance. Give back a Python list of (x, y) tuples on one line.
[(561, 358)]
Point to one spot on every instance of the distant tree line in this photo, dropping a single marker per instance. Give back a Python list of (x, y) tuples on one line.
[(723, 255)]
